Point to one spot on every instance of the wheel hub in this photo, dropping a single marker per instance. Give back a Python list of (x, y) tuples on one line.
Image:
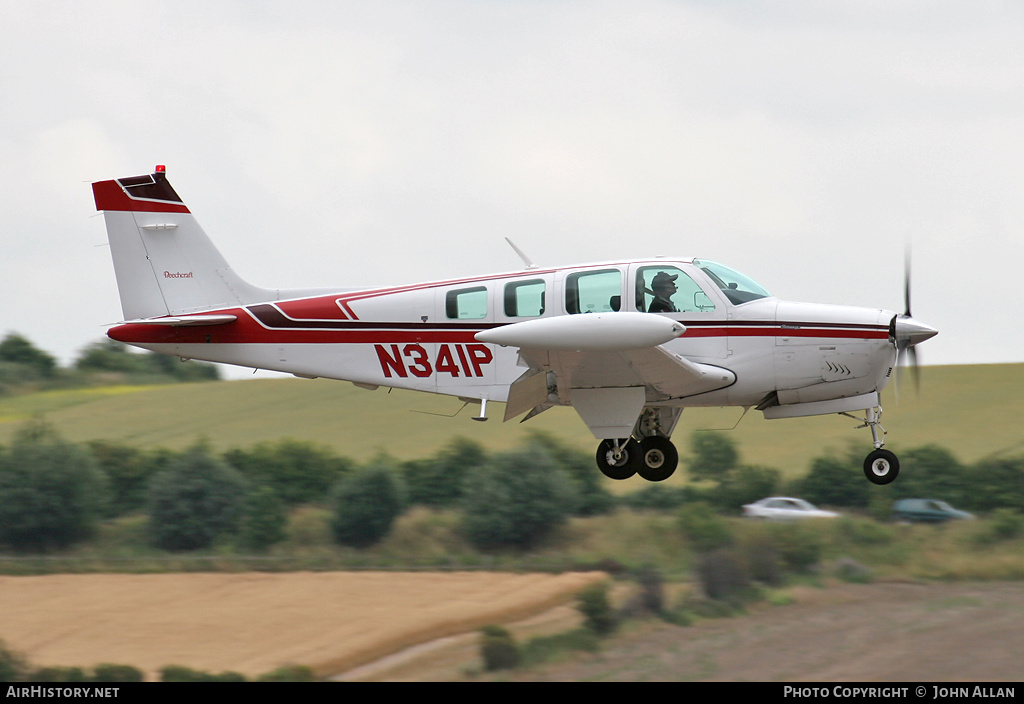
[(880, 467), (654, 459)]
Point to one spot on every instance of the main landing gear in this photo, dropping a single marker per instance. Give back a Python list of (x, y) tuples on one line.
[(647, 452), (880, 466), (654, 458)]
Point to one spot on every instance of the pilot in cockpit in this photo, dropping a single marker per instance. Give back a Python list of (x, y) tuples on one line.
[(663, 287)]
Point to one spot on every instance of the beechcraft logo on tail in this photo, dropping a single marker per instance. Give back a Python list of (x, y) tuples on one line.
[(177, 274)]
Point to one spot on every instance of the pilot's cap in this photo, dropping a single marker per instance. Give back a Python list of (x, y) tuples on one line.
[(663, 279)]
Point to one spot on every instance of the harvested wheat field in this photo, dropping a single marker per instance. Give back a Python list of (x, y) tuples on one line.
[(255, 622)]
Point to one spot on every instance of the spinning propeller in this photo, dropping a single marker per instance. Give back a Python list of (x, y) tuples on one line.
[(906, 332)]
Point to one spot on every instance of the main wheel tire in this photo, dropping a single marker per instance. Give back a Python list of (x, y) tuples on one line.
[(881, 467), (658, 458), (623, 467)]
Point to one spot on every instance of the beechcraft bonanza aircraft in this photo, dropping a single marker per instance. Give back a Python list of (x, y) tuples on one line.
[(628, 344)]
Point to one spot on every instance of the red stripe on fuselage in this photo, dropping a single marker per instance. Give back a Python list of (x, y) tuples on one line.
[(266, 324), (250, 330), (740, 330)]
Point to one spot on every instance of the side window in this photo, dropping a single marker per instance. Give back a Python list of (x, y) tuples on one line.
[(666, 289), (593, 291), (466, 303), (524, 299)]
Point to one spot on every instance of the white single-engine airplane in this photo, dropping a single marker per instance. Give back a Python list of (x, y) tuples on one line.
[(628, 344)]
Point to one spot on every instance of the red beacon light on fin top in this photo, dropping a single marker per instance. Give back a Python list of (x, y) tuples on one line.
[(161, 169)]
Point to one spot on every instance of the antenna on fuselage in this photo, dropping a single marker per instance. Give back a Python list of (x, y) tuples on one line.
[(526, 260)]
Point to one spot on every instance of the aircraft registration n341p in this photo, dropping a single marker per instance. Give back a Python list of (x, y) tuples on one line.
[(628, 344)]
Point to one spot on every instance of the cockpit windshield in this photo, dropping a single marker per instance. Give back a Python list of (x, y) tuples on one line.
[(736, 287)]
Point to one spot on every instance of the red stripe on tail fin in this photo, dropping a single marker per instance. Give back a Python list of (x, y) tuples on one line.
[(151, 194)]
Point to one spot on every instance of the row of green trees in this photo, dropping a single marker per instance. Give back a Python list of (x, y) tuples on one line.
[(54, 493), (23, 365)]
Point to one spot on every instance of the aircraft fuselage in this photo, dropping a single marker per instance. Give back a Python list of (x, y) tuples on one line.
[(412, 337)]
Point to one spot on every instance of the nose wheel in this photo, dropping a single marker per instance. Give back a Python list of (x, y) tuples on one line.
[(881, 467)]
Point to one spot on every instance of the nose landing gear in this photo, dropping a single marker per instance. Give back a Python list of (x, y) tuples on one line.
[(880, 466)]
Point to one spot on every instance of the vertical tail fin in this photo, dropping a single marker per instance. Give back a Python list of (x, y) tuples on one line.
[(164, 262)]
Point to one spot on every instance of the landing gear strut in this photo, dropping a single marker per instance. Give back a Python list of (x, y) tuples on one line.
[(880, 466)]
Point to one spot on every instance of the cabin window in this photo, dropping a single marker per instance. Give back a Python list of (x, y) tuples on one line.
[(667, 289), (524, 299), (593, 291), (466, 303)]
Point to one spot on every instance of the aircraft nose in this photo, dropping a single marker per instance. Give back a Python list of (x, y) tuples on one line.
[(912, 332)]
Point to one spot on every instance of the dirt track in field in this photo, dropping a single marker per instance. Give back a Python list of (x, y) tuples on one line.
[(255, 622), (850, 633)]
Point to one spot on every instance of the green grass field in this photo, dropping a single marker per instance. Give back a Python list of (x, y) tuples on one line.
[(974, 411)]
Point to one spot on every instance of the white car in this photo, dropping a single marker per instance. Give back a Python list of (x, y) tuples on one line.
[(784, 508)]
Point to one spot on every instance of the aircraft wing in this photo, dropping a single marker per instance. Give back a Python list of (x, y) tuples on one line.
[(607, 365)]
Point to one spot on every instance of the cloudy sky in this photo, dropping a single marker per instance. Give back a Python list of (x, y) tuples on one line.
[(382, 142)]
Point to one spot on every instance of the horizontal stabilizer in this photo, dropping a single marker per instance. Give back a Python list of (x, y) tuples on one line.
[(185, 321)]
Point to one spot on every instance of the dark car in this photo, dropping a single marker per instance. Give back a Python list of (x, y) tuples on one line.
[(927, 511)]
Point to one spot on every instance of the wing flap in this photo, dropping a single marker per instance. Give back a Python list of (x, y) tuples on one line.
[(527, 392)]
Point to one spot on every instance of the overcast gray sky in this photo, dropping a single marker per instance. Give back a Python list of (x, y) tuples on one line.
[(364, 143)]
